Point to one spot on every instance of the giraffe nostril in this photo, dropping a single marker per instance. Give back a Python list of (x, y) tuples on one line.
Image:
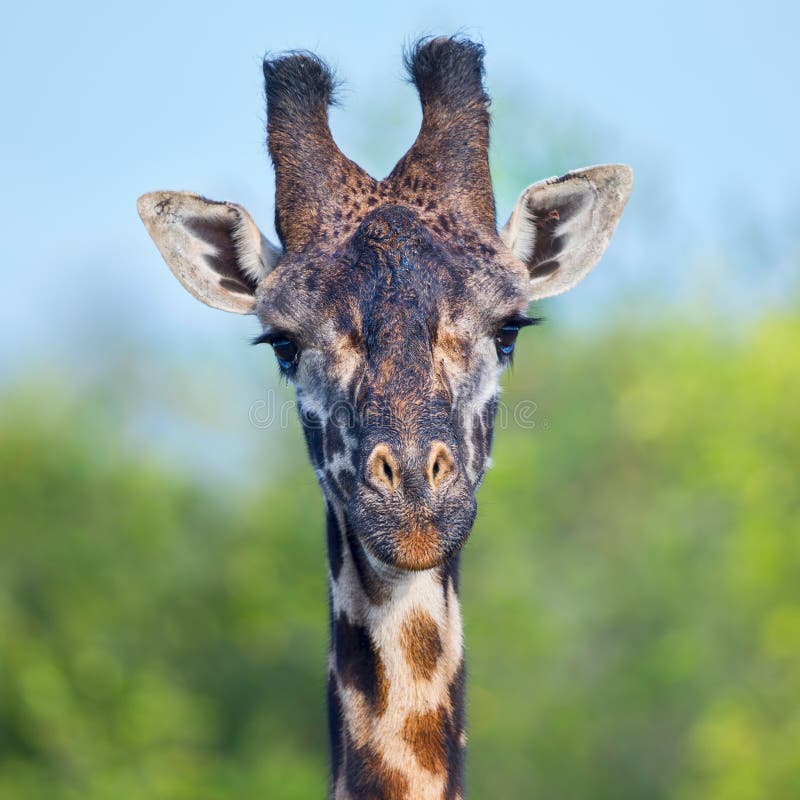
[(382, 470), (441, 465)]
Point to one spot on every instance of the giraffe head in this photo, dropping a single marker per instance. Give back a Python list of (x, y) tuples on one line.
[(392, 306)]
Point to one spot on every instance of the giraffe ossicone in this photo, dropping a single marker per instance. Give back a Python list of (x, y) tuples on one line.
[(393, 307)]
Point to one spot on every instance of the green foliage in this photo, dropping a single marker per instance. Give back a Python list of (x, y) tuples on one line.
[(630, 592)]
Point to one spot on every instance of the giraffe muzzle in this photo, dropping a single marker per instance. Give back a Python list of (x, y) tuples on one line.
[(412, 511)]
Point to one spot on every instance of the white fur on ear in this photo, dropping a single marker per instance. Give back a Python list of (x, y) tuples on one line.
[(257, 255), (561, 226), (214, 249)]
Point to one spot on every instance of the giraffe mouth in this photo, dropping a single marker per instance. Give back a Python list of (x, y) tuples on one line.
[(419, 549)]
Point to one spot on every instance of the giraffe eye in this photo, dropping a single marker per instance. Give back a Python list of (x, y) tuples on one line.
[(286, 352), (506, 339)]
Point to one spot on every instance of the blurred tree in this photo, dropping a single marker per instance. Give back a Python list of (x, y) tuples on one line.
[(631, 596)]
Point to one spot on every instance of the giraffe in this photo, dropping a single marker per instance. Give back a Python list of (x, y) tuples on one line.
[(393, 306)]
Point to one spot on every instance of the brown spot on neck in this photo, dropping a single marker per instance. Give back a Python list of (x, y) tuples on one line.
[(426, 734), (421, 644)]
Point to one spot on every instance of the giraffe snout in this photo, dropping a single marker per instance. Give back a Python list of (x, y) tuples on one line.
[(413, 507)]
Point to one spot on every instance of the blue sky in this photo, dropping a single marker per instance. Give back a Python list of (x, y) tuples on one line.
[(105, 101)]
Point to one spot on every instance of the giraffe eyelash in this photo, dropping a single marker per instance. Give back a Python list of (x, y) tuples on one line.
[(524, 321), (286, 351), (505, 339), (268, 337)]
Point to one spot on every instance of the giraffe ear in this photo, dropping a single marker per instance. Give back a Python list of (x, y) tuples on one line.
[(214, 249), (561, 226)]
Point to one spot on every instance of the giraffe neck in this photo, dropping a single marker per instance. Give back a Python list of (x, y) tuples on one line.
[(395, 676)]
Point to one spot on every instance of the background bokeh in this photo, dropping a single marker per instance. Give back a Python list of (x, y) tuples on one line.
[(631, 590)]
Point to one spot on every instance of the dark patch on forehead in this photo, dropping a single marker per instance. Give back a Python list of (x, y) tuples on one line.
[(392, 227), (404, 277), (394, 261), (359, 664)]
